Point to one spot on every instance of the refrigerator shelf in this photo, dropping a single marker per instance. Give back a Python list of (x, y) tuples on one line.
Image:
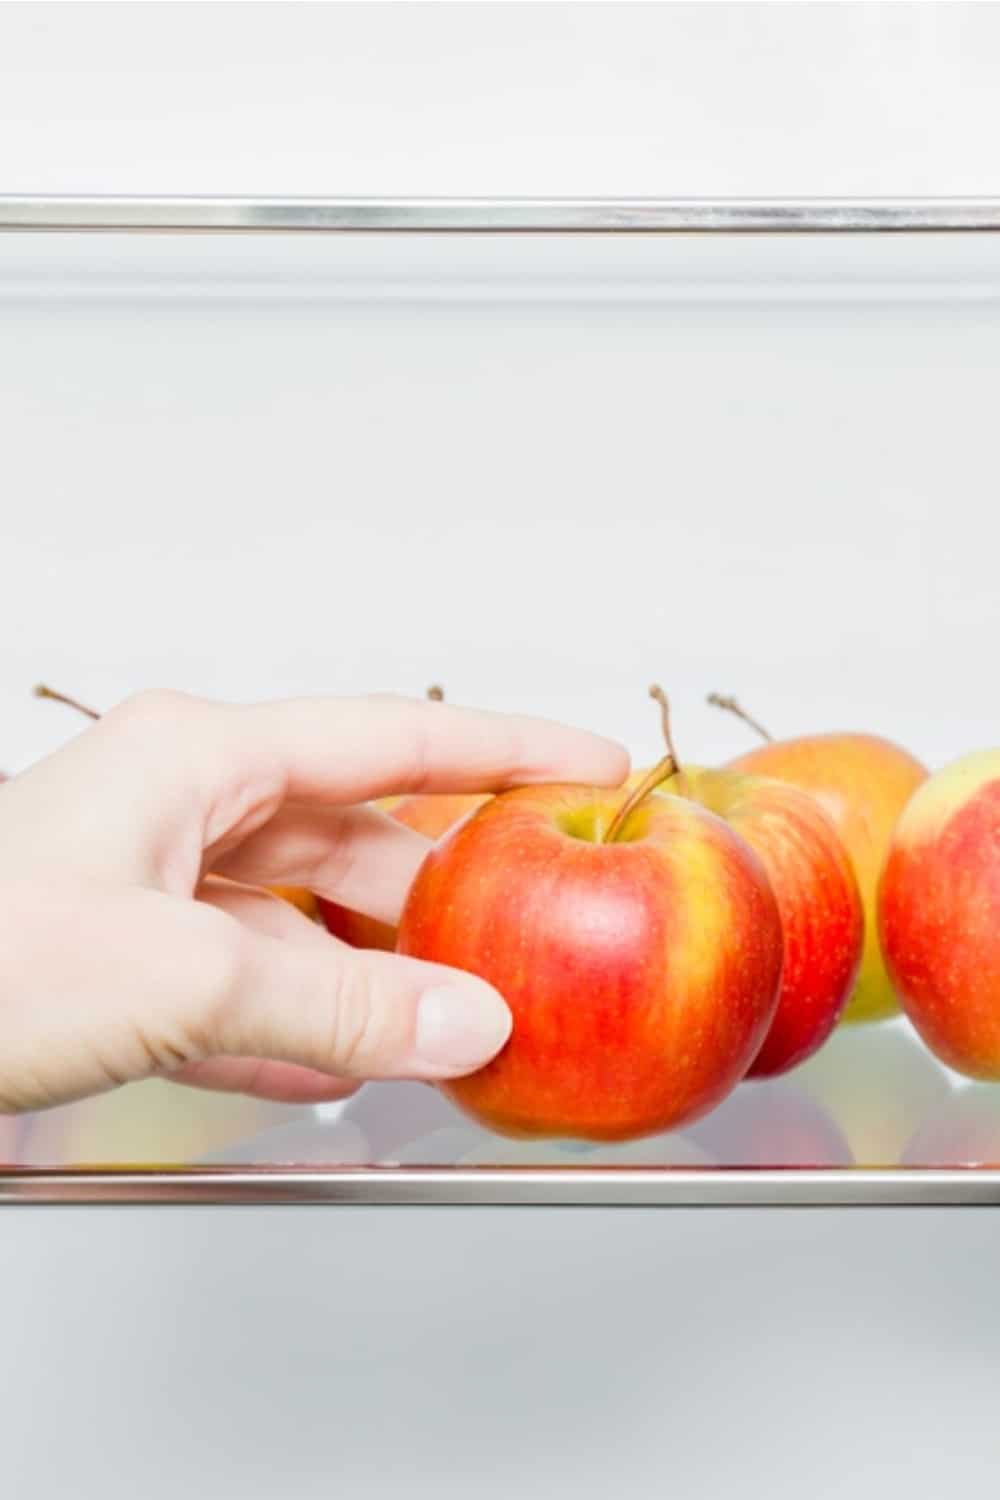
[(516, 351)]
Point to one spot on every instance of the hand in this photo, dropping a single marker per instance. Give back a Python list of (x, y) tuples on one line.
[(121, 957)]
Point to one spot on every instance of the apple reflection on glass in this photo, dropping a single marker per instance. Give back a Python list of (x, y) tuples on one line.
[(153, 1123), (877, 1084), (962, 1131)]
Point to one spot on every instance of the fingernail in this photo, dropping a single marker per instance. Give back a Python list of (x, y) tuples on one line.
[(459, 1028)]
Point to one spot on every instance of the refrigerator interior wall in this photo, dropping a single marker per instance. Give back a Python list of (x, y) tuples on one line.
[(543, 469)]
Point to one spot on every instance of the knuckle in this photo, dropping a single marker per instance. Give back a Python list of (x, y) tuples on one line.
[(216, 1018), (516, 762), (353, 1040), (393, 699), (420, 758), (342, 851), (407, 721), (153, 710)]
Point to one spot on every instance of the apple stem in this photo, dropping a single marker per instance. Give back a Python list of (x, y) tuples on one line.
[(435, 693), (41, 691), (732, 706), (662, 771), (659, 696)]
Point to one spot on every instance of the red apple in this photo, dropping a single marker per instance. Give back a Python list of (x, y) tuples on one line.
[(939, 913), (429, 813), (815, 889), (817, 898), (637, 941), (863, 783)]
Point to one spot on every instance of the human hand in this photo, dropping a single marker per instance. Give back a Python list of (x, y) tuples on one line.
[(121, 957)]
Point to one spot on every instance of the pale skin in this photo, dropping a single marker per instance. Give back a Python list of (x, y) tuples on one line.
[(135, 938)]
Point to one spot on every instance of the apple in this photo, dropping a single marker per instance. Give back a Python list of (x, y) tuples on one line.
[(817, 896), (939, 913), (636, 939), (815, 889), (863, 782)]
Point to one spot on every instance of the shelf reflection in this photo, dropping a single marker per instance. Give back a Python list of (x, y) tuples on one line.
[(874, 1097), (146, 1124), (963, 1131), (877, 1084)]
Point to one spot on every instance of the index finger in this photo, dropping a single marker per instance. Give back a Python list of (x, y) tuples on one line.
[(165, 776), (353, 749)]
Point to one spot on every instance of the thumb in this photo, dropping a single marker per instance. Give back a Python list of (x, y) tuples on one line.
[(355, 1013), (139, 982)]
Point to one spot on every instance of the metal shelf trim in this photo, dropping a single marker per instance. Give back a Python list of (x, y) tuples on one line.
[(131, 214), (515, 1186)]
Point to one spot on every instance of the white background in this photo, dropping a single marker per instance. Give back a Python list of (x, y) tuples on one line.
[(290, 488), (536, 98)]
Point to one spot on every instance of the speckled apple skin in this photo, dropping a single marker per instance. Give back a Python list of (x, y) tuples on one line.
[(939, 914), (863, 783), (642, 975), (818, 900)]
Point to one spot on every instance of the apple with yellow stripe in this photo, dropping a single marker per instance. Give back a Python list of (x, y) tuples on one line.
[(939, 913), (817, 896), (636, 939), (862, 782), (815, 889)]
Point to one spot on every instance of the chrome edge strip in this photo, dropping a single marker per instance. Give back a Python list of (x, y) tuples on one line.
[(494, 215), (513, 1186)]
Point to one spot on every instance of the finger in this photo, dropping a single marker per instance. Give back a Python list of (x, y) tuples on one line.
[(140, 983), (163, 777), (314, 1002), (351, 750), (281, 1082), (354, 1012), (261, 910), (357, 856)]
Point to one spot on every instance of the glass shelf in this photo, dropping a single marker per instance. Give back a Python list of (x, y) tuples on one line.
[(872, 1119)]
